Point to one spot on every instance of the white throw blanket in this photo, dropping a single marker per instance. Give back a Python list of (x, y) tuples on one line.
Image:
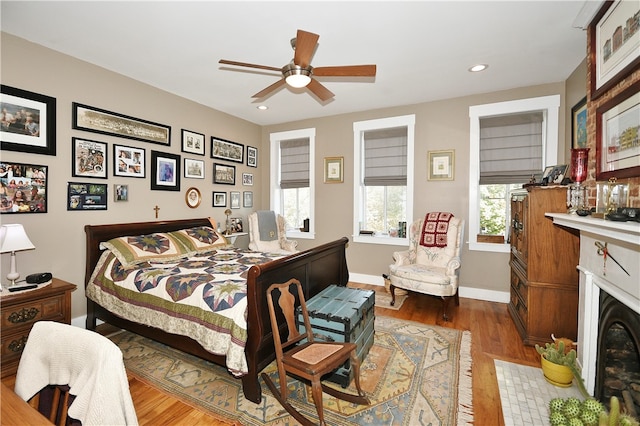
[(92, 366)]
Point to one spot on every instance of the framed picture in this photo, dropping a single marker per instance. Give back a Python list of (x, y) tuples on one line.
[(333, 169), (23, 188), (236, 225), (247, 179), (235, 199), (617, 124), (219, 199), (165, 171), (227, 150), (192, 142), (89, 158), (579, 124), (105, 122), (193, 169), (615, 44), (86, 196), (441, 165), (120, 192), (556, 174), (128, 161), (247, 199), (192, 197), (252, 156), (546, 174), (28, 122), (224, 174)]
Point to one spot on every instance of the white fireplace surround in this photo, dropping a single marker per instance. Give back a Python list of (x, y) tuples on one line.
[(623, 243)]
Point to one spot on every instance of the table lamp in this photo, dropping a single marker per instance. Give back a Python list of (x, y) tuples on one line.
[(13, 238)]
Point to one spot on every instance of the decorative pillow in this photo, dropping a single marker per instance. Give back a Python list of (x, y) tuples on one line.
[(136, 249), (200, 239), (269, 246)]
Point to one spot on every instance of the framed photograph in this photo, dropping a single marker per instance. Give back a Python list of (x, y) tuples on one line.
[(556, 174), (252, 156), (546, 174), (165, 171), (579, 124), (235, 199), (224, 174), (219, 199), (247, 179), (236, 225), (441, 165), (192, 142), (192, 197), (128, 161), (333, 169), (89, 158), (227, 150), (23, 188), (615, 44), (28, 122), (105, 122), (120, 192), (617, 146), (86, 196), (247, 199), (193, 169)]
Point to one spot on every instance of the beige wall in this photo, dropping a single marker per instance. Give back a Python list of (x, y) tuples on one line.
[(59, 236)]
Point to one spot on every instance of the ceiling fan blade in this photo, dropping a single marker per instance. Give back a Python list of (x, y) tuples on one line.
[(265, 92), (244, 64), (305, 45), (346, 71), (319, 90)]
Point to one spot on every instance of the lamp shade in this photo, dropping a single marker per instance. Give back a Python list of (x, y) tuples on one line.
[(14, 238)]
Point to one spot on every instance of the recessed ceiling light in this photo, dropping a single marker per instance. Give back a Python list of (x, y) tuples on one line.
[(262, 107), (478, 68)]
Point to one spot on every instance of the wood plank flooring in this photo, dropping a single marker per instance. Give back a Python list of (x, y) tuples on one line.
[(493, 336)]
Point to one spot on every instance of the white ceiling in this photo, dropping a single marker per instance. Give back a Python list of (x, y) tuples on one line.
[(422, 48)]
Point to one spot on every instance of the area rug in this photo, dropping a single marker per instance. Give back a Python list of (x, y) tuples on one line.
[(383, 300), (413, 374)]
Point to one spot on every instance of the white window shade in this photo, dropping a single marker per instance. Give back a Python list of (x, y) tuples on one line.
[(385, 157), (294, 157)]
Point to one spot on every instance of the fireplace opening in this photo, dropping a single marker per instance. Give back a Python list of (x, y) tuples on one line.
[(618, 355)]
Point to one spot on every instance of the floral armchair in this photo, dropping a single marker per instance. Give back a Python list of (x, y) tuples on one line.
[(429, 270), (274, 241)]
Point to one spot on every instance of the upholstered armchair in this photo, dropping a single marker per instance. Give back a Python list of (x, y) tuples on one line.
[(267, 233), (426, 269)]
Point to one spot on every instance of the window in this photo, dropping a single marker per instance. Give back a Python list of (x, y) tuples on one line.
[(383, 179), (509, 142), (292, 193)]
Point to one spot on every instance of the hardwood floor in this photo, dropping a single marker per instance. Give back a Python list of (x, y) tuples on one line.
[(493, 336)]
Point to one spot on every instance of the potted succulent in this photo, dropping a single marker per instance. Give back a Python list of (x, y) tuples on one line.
[(559, 365)]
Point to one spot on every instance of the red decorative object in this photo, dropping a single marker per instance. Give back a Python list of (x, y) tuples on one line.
[(579, 164)]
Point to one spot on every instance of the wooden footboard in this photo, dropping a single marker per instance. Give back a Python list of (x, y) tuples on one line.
[(316, 269)]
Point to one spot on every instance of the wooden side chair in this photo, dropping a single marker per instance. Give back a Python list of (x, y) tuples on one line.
[(300, 356)]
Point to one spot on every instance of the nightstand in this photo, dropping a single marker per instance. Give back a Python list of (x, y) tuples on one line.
[(21, 310)]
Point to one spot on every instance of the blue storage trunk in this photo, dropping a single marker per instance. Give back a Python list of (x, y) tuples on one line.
[(342, 314)]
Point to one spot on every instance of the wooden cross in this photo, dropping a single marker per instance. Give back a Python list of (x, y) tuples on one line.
[(156, 208)]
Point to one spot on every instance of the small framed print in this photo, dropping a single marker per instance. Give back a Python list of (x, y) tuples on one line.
[(193, 169), (224, 174), (252, 156), (89, 158), (579, 124), (556, 174), (86, 196), (192, 142), (236, 225), (441, 165), (128, 161), (247, 179), (192, 197), (333, 169), (235, 199), (23, 188), (165, 171), (227, 150), (219, 199), (120, 192), (247, 200)]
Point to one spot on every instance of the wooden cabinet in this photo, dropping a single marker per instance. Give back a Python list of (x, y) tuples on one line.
[(21, 310), (543, 260)]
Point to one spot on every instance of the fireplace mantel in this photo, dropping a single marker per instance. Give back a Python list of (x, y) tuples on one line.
[(621, 231)]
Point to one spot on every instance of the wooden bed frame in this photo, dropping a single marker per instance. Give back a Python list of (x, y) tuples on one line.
[(316, 269)]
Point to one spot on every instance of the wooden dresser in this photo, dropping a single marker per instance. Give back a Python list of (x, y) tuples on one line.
[(20, 310), (544, 257)]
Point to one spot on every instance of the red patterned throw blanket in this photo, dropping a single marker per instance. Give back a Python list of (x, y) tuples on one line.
[(434, 229)]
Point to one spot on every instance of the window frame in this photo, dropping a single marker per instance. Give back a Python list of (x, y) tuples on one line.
[(276, 191), (359, 127), (550, 106)]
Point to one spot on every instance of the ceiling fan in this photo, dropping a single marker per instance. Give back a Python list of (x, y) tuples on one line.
[(299, 72)]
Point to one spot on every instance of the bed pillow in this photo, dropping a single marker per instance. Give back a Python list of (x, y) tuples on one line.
[(200, 239), (135, 249)]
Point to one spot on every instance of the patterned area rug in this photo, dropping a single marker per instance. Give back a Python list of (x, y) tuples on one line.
[(383, 300), (414, 374)]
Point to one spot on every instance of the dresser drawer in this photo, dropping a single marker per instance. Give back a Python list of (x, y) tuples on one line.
[(13, 345), (519, 286), (25, 314), (519, 310)]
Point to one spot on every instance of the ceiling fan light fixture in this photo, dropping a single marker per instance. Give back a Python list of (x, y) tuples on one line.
[(296, 76)]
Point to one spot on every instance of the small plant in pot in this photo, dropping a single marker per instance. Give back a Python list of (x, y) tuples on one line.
[(559, 365)]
